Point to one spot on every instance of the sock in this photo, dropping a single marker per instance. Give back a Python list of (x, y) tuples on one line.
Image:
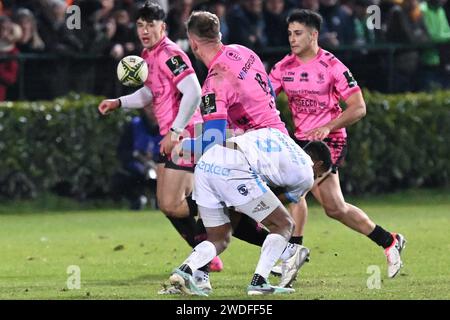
[(258, 280), (200, 236), (249, 231), (270, 253), (289, 251), (200, 232), (381, 237), (202, 254), (186, 227), (296, 240), (193, 209), (205, 268), (186, 268)]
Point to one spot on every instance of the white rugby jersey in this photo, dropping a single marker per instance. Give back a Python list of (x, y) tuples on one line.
[(276, 158)]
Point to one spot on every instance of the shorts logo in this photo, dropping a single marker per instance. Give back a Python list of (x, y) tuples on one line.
[(242, 188), (208, 104), (177, 65), (260, 207)]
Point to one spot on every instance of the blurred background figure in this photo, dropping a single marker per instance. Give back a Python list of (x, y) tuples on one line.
[(219, 8), (405, 25), (363, 35), (275, 14), (247, 25), (176, 21), (10, 34), (30, 41), (338, 20), (436, 71), (138, 152)]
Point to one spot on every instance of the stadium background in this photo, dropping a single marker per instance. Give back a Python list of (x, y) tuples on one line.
[(53, 78)]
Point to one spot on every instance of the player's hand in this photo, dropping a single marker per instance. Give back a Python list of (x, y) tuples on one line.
[(319, 133), (167, 144), (106, 106)]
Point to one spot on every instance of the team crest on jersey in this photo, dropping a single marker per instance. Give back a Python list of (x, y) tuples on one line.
[(350, 80), (208, 104), (320, 78), (233, 55), (242, 188), (176, 65)]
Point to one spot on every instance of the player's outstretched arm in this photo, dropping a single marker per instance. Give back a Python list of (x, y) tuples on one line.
[(137, 100)]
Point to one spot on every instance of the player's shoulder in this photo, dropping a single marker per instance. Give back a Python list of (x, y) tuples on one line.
[(328, 59), (287, 62), (169, 49), (235, 53)]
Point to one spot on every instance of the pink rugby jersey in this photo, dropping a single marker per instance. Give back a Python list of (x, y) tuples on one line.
[(237, 89), (313, 90), (167, 66)]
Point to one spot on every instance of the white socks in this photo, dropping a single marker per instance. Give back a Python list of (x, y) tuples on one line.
[(271, 251), (289, 251), (202, 254)]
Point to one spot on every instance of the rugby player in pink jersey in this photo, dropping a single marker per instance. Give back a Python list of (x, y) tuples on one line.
[(237, 89), (314, 81), (173, 92)]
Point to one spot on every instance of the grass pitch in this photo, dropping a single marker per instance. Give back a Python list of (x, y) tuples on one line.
[(128, 255)]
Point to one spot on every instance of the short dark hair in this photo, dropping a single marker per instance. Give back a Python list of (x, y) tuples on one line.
[(307, 17), (319, 151), (204, 24), (151, 11)]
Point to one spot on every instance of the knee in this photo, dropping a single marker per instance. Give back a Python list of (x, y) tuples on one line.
[(169, 208), (221, 243), (336, 212), (290, 226), (286, 226)]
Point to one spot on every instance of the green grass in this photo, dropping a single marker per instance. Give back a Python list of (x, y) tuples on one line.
[(39, 240)]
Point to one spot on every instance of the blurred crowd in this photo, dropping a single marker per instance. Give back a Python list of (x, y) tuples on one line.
[(108, 30)]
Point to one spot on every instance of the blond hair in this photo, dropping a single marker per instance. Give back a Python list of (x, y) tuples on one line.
[(204, 25)]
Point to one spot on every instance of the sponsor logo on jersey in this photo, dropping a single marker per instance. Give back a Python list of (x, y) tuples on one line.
[(212, 168), (304, 77), (323, 63), (350, 80), (177, 65), (246, 67), (233, 55), (242, 188), (288, 79)]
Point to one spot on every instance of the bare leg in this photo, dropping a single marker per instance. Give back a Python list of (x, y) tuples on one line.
[(330, 196)]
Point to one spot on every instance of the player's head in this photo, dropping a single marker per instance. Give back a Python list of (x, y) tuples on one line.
[(203, 28), (150, 23), (321, 156), (303, 30)]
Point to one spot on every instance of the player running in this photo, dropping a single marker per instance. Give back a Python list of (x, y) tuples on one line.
[(314, 81), (238, 176)]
